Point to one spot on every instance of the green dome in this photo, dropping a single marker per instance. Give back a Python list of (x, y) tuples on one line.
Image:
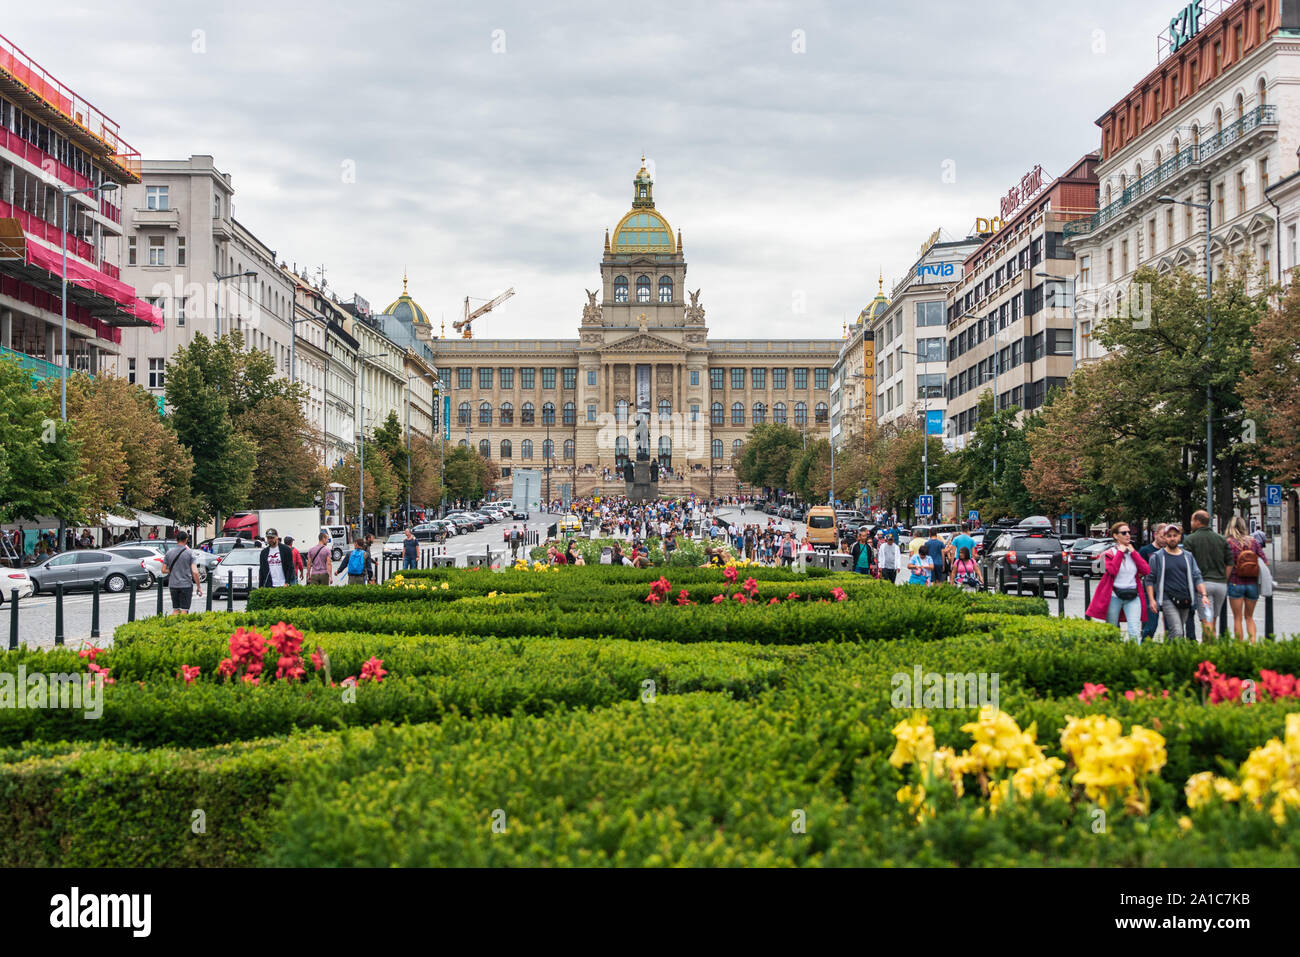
[(406, 309)]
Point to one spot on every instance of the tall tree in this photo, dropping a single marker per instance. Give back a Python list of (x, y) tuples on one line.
[(990, 469), (288, 469), (767, 455), (39, 460), (896, 471), (1271, 390)]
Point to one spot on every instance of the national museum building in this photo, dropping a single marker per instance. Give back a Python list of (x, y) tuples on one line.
[(642, 344)]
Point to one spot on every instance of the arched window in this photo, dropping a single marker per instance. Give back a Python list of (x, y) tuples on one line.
[(1196, 135), (485, 448), (716, 414), (526, 449), (1137, 174), (620, 450), (568, 450), (1177, 146), (620, 410), (526, 415), (800, 414), (463, 444), (1241, 106), (1218, 121), (548, 413), (1107, 194), (620, 288), (570, 414), (642, 288), (736, 447), (760, 413), (820, 413), (548, 449), (1263, 91), (1123, 183), (665, 289), (717, 448), (462, 413), (507, 414), (1158, 162), (665, 410), (737, 414), (506, 449), (665, 452), (778, 413), (485, 413)]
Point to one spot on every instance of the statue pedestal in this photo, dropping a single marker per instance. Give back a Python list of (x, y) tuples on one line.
[(641, 489)]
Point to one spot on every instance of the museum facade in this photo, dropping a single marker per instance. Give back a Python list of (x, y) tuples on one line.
[(569, 407)]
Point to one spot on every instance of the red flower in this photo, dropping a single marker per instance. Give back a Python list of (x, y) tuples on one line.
[(719, 599), (1130, 695), (249, 679), (227, 668), (373, 670), (839, 594), (1206, 672), (750, 586), (652, 598), (317, 659), (730, 575), (792, 597), (774, 601), (683, 598), (89, 653), (1091, 692), (740, 598), (189, 673), (661, 587)]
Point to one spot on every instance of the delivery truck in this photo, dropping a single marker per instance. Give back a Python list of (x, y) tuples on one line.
[(303, 524)]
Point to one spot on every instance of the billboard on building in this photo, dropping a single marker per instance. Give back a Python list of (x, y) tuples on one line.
[(869, 379)]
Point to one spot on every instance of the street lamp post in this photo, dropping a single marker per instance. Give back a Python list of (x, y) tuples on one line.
[(247, 273), (63, 349), (1209, 389), (361, 443)]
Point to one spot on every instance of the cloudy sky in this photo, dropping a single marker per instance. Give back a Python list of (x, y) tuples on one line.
[(488, 145)]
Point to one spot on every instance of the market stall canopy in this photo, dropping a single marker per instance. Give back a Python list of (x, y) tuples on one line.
[(117, 521), (148, 518)]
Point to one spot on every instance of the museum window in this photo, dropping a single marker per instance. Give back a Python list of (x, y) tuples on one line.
[(716, 414), (591, 412), (485, 448), (665, 410), (759, 413), (620, 450), (758, 378), (822, 378), (507, 414), (716, 449), (570, 414), (570, 379), (620, 411), (591, 377), (778, 378), (620, 288), (665, 289), (737, 414), (642, 288), (507, 378), (820, 413), (548, 378), (801, 378), (548, 413), (527, 378), (464, 378), (737, 447), (778, 413), (462, 413), (716, 377), (526, 416), (695, 377), (695, 412), (568, 450), (506, 449), (485, 378), (800, 415), (737, 379), (485, 413), (526, 449), (548, 449)]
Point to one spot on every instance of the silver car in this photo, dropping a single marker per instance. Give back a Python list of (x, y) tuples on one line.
[(82, 569), (238, 571)]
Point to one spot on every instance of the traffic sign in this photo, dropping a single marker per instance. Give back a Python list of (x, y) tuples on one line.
[(974, 516), (1274, 495), (925, 505)]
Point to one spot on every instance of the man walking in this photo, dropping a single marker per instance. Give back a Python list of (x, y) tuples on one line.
[(861, 553), (276, 563), (516, 539), (318, 561), (1210, 549), (357, 562), (182, 571), (1146, 551), (1170, 585), (410, 551)]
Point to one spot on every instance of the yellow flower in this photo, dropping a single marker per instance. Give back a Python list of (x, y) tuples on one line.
[(915, 741), (492, 594), (1199, 789), (999, 742), (444, 586), (1185, 823)]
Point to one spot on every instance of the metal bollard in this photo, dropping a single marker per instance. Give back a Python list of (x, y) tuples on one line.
[(1019, 584), (1060, 597), (58, 613), (1087, 590), (130, 604), (13, 619), (230, 591), (1268, 617), (208, 597), (160, 597), (94, 610), (1041, 593), (1223, 619)]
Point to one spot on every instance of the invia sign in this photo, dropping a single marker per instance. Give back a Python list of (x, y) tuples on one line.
[(930, 271), (1185, 25)]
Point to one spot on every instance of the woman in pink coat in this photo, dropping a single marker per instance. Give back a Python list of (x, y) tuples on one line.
[(1120, 589)]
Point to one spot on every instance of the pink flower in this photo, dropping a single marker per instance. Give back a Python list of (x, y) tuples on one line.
[(652, 598), (730, 575), (719, 599), (89, 653), (1206, 673), (750, 586), (839, 594), (189, 673), (774, 601), (317, 659), (792, 597), (1129, 695), (349, 682), (227, 668), (373, 670), (1091, 692)]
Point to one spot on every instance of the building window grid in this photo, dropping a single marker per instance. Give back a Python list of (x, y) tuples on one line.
[(801, 379), (548, 377)]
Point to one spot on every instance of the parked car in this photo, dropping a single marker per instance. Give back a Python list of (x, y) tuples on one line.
[(1084, 553), (12, 579), (151, 559), (435, 531), (797, 513), (1026, 551), (82, 569), (474, 521), (485, 516), (237, 571), (393, 545)]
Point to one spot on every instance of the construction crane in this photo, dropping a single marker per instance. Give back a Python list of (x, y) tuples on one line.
[(463, 326)]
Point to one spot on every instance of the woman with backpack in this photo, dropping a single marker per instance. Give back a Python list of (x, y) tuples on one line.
[(966, 571), (1243, 576), (357, 562)]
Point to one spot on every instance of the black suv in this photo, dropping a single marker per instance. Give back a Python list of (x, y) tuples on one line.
[(1027, 551)]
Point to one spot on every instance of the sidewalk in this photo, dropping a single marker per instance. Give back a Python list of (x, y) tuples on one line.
[(1285, 575)]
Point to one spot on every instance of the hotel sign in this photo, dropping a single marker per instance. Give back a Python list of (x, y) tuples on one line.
[(1018, 195), (1185, 25)]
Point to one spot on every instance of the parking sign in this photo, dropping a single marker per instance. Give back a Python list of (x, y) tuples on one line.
[(925, 505), (1273, 494)]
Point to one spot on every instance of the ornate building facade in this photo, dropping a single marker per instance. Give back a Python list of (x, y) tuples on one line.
[(569, 406)]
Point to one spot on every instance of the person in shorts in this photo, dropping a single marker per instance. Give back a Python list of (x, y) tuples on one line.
[(182, 571)]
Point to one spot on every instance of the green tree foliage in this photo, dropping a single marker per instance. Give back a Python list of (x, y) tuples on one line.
[(468, 474), (767, 455), (288, 464), (39, 459), (896, 471), (1271, 390)]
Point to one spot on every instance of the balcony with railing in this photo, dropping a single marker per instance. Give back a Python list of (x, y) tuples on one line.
[(1186, 159)]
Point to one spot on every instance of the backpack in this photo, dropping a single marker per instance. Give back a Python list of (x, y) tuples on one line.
[(1247, 564), (357, 563)]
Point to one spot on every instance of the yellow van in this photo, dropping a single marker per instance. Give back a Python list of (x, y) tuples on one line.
[(821, 526)]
